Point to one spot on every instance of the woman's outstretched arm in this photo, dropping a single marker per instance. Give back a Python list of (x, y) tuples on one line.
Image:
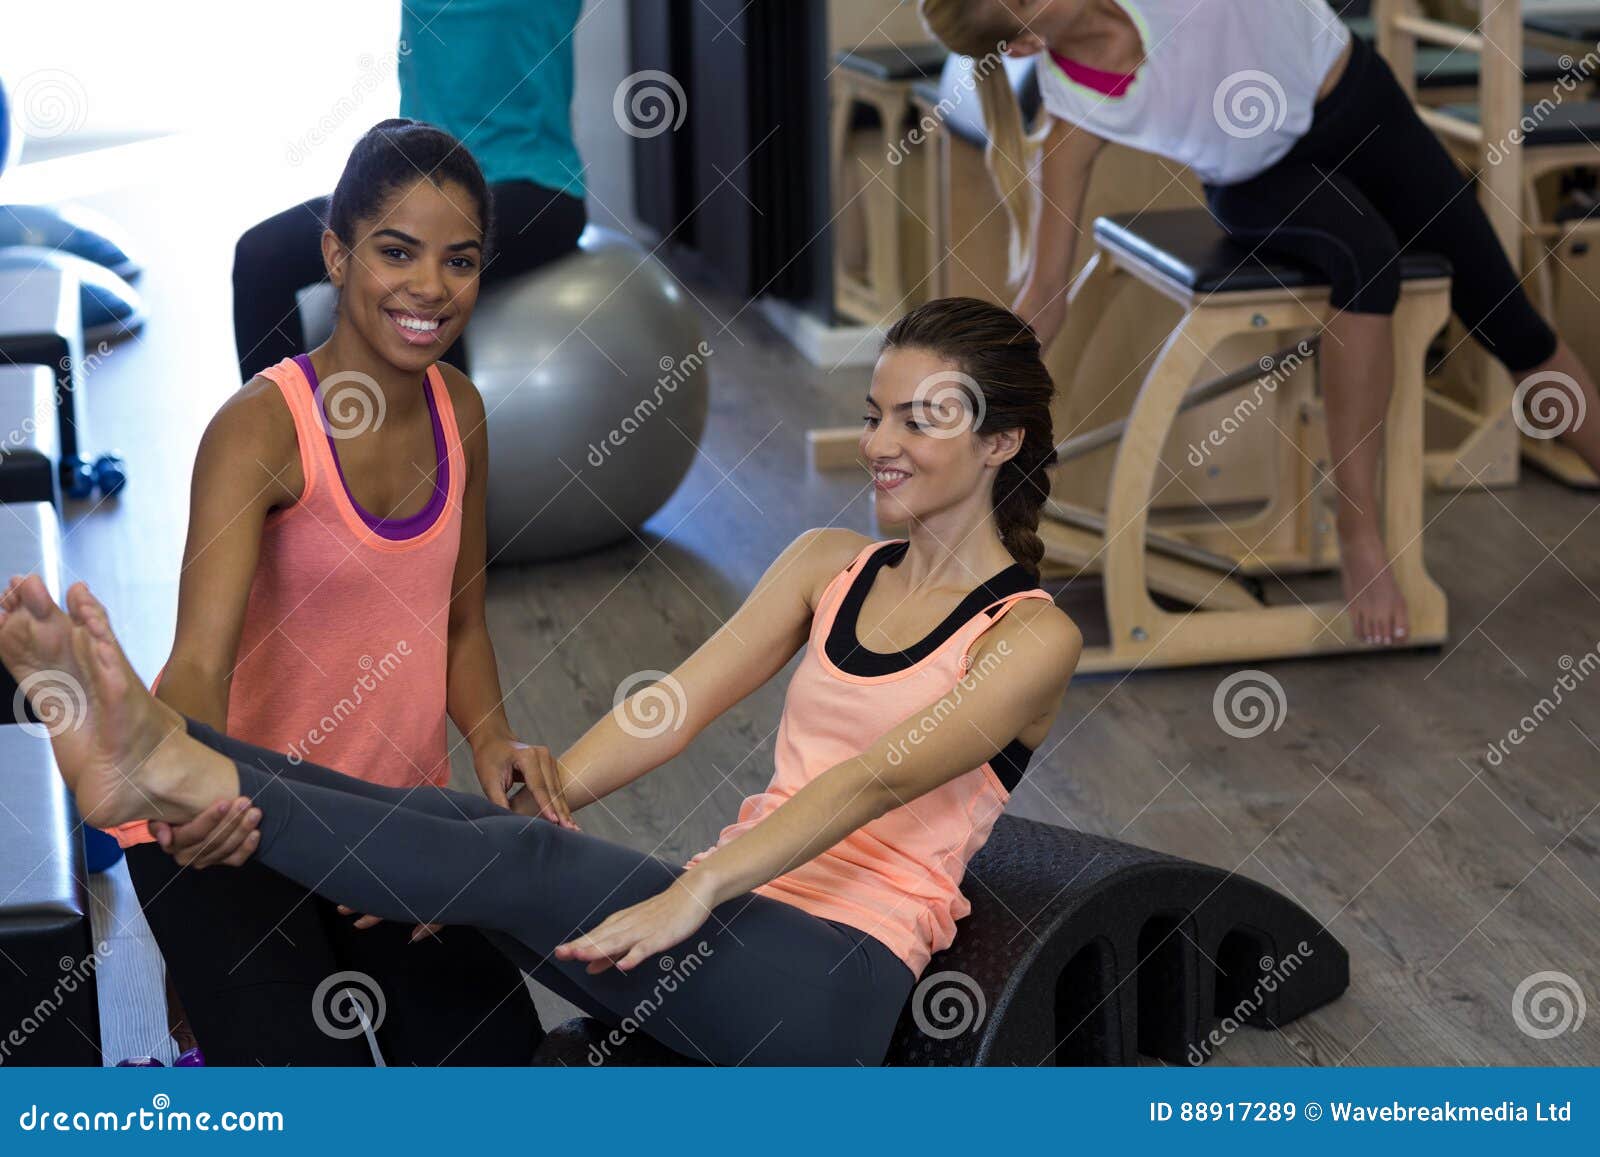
[(657, 722), (1020, 671)]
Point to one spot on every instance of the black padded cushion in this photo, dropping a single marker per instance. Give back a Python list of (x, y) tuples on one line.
[(1189, 246), (1580, 26), (1575, 123), (28, 460), (896, 61), (1447, 68), (958, 96), (1057, 957)]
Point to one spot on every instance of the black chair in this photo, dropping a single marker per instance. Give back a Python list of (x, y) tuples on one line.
[(40, 324), (49, 1008), (28, 440)]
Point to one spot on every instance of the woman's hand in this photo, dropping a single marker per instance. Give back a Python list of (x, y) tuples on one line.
[(366, 922), (225, 833), (630, 935), (502, 762)]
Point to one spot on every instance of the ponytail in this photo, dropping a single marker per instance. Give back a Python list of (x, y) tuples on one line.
[(1011, 153)]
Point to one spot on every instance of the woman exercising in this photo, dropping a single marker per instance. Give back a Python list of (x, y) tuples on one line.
[(933, 666), (1340, 173), (331, 606), (512, 109)]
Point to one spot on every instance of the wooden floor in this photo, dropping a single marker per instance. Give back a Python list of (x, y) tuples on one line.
[(1374, 805)]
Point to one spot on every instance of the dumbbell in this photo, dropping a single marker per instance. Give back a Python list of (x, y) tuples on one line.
[(80, 477)]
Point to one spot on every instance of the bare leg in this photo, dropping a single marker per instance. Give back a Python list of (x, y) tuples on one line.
[(124, 755), (1358, 378)]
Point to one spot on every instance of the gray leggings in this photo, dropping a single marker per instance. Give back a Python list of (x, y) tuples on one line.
[(762, 982)]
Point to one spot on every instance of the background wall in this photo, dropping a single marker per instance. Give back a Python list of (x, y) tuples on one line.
[(294, 84)]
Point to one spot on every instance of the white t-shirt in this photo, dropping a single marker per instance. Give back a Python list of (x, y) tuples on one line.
[(1226, 87)]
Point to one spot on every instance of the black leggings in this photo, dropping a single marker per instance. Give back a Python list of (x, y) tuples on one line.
[(248, 950), (1367, 180), (283, 254), (762, 982)]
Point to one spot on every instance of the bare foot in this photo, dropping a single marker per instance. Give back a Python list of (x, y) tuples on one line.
[(116, 747), (1373, 600)]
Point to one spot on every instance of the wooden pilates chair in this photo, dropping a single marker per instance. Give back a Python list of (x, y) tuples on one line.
[(880, 248), (1473, 439), (1448, 76), (1224, 291), (1554, 139)]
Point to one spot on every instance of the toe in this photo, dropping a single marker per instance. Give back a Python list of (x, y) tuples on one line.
[(36, 597)]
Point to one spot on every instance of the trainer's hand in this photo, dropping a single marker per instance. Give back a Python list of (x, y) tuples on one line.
[(225, 833), (503, 762), (366, 922), (630, 935)]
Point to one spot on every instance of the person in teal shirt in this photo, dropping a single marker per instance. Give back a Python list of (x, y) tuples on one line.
[(498, 76)]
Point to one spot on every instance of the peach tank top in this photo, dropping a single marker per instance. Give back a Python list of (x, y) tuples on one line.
[(898, 878), (344, 648)]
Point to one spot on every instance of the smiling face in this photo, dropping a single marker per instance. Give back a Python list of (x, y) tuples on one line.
[(410, 281), (919, 440)]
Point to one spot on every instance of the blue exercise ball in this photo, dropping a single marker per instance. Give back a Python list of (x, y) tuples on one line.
[(112, 309), (100, 850), (10, 130), (70, 229)]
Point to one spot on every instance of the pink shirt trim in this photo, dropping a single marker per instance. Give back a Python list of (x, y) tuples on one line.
[(1109, 83)]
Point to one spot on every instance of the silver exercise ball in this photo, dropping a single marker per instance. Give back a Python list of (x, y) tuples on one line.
[(593, 374)]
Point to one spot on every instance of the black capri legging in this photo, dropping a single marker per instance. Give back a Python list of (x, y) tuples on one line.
[(762, 982), (283, 254), (1367, 180)]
